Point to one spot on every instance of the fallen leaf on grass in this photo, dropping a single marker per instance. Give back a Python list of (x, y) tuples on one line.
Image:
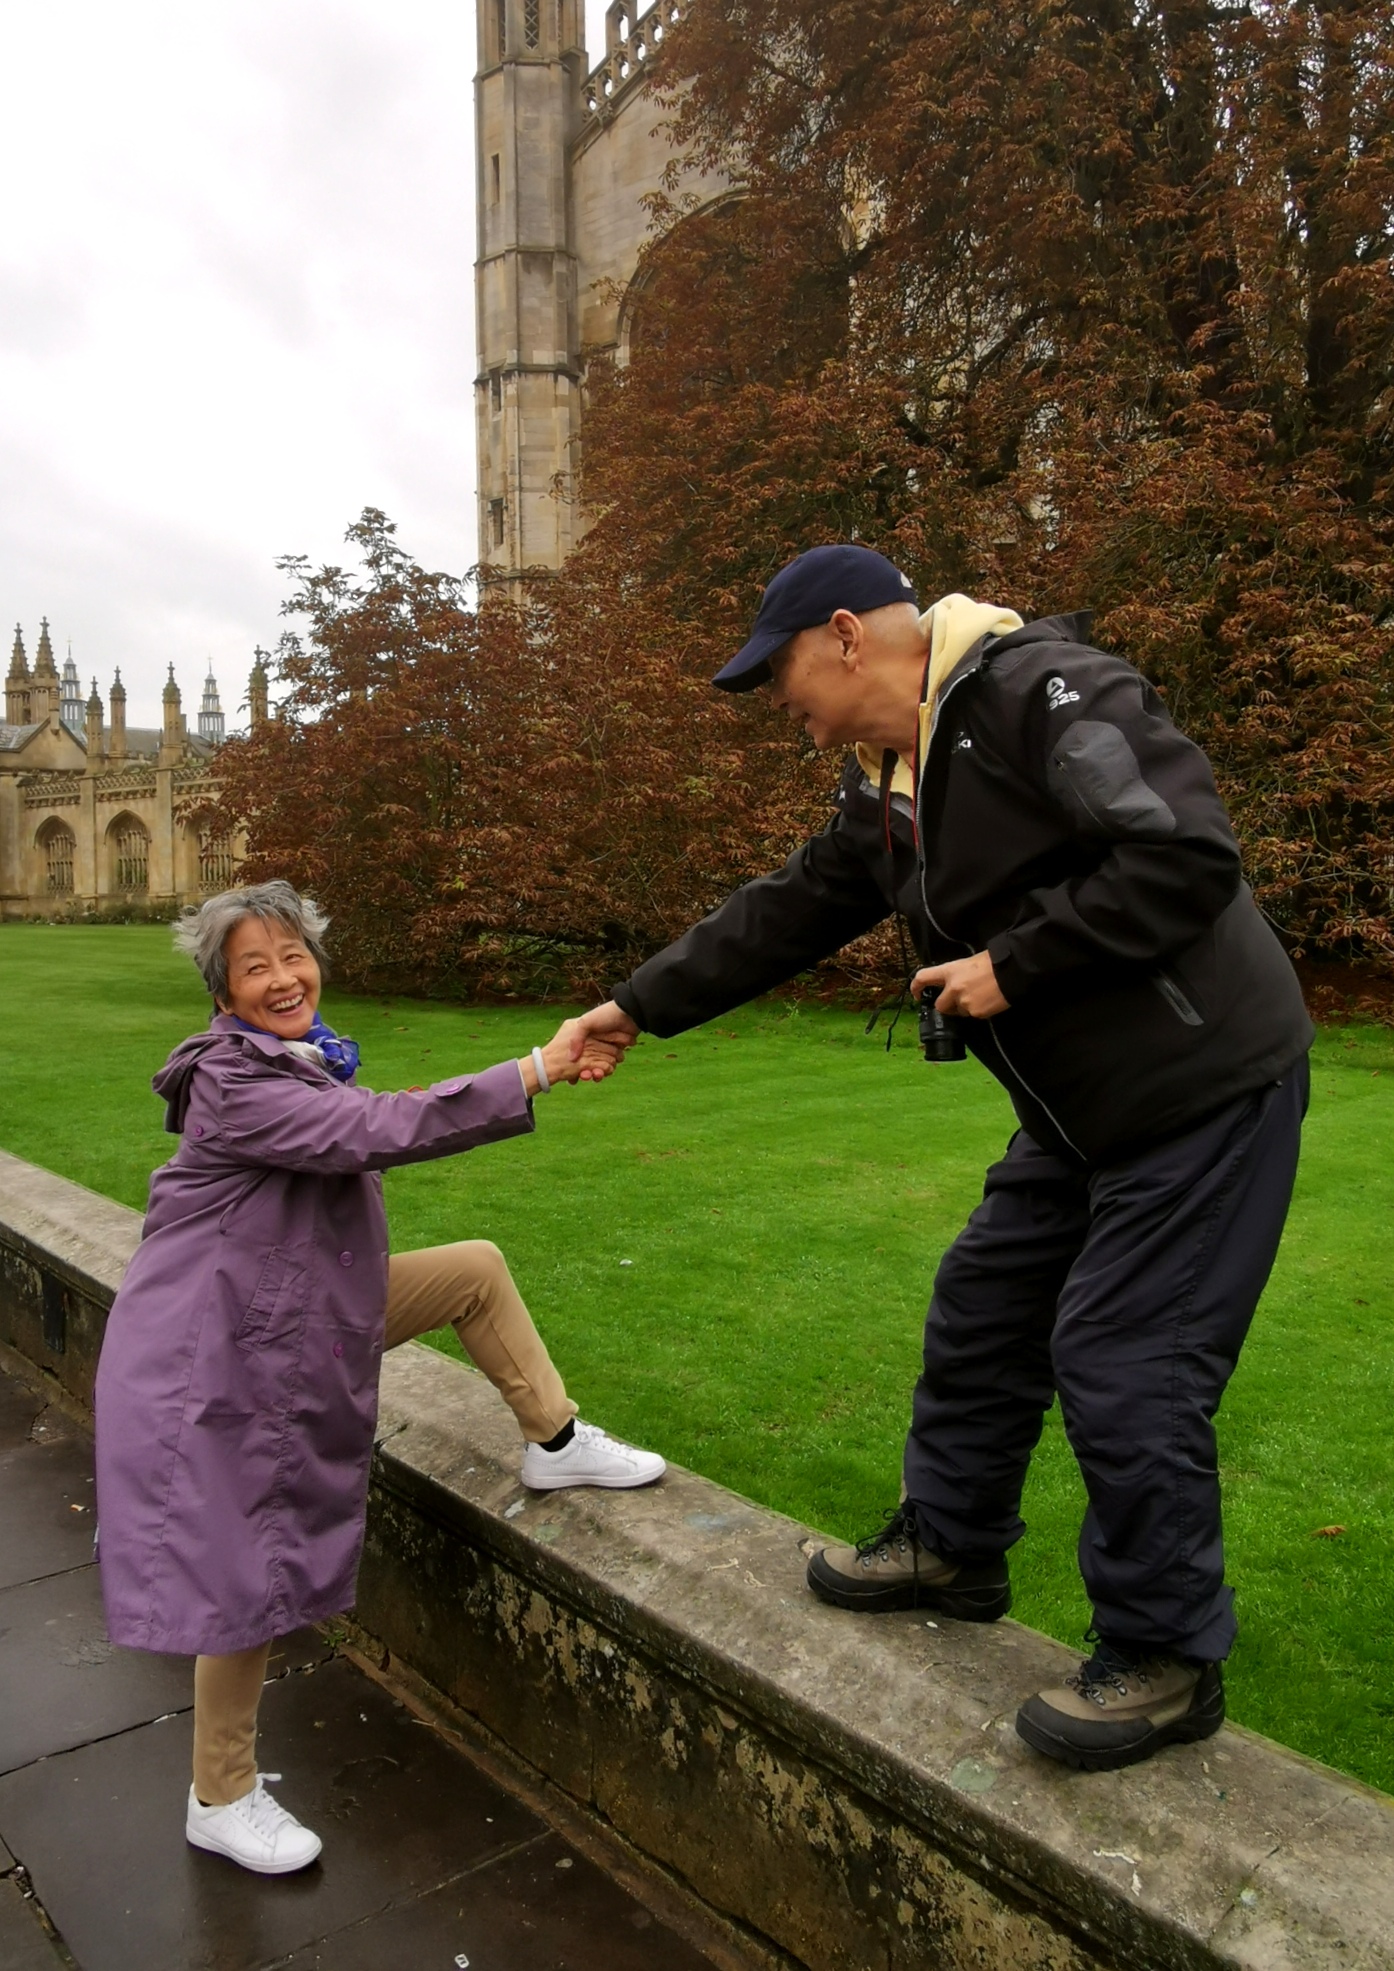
[(1327, 1532)]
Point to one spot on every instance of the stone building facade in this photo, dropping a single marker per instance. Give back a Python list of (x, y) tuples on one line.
[(565, 156), (91, 810)]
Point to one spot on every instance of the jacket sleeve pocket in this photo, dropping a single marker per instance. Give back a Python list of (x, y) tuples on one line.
[(1098, 781), (278, 1295)]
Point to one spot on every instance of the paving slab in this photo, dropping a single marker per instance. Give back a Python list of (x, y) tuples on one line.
[(539, 1910), (25, 1945), (49, 1513), (62, 1683), (101, 1831), (19, 1406)]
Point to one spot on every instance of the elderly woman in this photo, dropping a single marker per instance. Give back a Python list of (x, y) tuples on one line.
[(237, 1390)]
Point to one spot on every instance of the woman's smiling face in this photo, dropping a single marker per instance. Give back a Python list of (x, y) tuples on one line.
[(272, 981)]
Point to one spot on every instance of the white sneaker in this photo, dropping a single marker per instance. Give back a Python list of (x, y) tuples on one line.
[(591, 1458), (253, 1831)]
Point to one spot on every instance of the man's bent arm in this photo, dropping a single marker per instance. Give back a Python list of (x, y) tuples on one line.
[(762, 935), (1126, 778)]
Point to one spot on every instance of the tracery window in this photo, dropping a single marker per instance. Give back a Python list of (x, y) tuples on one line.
[(132, 851), (59, 849), (532, 22), (215, 863)]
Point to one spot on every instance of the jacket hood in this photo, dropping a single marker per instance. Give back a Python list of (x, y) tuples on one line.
[(1075, 628), (951, 627), (172, 1082)]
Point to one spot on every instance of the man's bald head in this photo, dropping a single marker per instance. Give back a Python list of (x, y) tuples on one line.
[(854, 679)]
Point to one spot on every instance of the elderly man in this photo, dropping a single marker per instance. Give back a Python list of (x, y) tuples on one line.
[(1072, 884)]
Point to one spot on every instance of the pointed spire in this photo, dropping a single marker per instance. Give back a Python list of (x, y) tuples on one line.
[(118, 719), (92, 729), (172, 741), (17, 684), (257, 689), (44, 666)]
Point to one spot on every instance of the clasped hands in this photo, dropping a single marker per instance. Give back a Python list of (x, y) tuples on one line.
[(587, 1049), (592, 1047)]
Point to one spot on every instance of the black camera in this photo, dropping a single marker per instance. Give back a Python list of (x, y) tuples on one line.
[(941, 1035)]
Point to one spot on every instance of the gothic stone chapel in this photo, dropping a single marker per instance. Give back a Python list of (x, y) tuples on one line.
[(92, 815), (565, 156)]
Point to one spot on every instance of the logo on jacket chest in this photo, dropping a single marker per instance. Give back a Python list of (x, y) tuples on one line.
[(1058, 694)]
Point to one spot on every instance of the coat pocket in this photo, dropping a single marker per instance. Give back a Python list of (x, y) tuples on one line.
[(278, 1299), (1176, 999)]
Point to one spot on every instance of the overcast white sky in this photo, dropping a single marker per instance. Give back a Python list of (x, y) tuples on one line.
[(236, 307)]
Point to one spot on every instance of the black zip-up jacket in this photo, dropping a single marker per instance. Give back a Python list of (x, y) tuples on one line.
[(1069, 829)]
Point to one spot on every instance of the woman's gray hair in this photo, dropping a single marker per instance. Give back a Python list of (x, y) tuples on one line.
[(203, 932)]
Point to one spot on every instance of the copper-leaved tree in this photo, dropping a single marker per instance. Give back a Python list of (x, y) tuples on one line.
[(1068, 309)]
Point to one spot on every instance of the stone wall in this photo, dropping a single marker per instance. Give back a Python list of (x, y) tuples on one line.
[(848, 1791)]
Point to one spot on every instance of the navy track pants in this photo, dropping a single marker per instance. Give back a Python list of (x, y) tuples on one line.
[(1128, 1288)]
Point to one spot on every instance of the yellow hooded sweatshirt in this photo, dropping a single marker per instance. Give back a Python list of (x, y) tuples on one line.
[(952, 625)]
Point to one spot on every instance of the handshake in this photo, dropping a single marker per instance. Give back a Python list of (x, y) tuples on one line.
[(587, 1049)]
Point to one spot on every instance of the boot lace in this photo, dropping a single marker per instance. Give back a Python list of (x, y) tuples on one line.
[(899, 1532), (1107, 1670)]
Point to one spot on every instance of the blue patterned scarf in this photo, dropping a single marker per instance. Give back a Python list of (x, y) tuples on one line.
[(339, 1054)]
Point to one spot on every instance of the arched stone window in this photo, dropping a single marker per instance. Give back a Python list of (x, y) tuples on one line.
[(59, 846), (130, 854), (215, 862)]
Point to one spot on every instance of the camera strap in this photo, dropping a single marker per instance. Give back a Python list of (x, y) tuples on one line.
[(889, 760)]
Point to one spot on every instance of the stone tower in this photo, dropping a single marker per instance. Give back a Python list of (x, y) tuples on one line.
[(210, 712), (17, 683), (565, 155), (71, 708), (527, 94)]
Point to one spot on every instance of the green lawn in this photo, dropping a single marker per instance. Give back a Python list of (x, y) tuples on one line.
[(729, 1248)]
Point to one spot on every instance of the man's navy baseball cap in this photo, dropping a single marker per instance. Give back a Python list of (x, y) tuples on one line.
[(807, 592)]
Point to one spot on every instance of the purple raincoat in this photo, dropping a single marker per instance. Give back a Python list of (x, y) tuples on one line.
[(238, 1384)]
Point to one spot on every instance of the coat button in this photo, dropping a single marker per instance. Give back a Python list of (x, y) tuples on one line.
[(346, 1259), (338, 1348), (198, 1129)]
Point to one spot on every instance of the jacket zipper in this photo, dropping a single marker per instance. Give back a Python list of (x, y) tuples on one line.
[(1008, 1062), (1042, 1106), (919, 847)]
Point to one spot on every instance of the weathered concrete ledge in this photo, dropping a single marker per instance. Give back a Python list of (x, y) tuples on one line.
[(851, 1790)]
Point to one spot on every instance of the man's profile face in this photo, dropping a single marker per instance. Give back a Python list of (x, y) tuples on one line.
[(812, 683)]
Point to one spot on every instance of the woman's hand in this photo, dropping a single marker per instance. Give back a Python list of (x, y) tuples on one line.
[(592, 1060)]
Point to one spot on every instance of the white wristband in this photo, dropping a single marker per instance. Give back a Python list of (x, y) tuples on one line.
[(539, 1068)]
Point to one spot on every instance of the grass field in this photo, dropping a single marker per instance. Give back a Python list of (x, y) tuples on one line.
[(730, 1245)]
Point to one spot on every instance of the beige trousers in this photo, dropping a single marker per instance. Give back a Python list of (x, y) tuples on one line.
[(467, 1287)]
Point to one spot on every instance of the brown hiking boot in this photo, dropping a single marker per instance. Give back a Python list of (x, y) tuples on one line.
[(893, 1570), (1119, 1708)]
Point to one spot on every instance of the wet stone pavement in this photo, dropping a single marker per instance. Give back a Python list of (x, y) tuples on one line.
[(427, 1863)]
